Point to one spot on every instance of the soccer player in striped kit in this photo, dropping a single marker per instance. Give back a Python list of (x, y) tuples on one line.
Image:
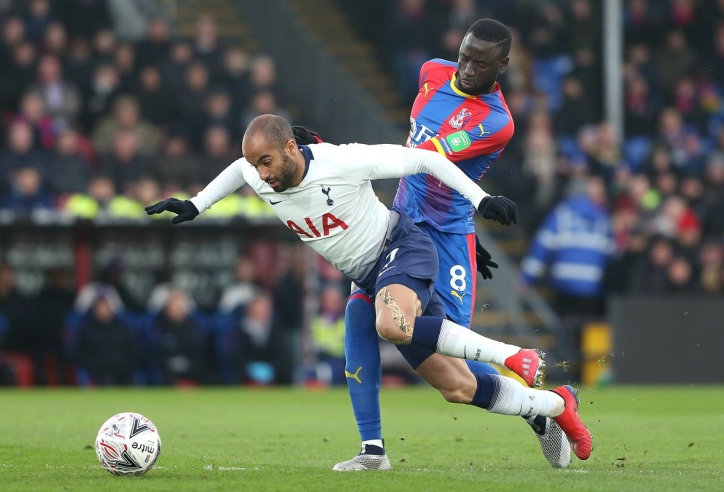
[(459, 112)]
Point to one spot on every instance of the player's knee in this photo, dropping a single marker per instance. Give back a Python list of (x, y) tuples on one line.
[(454, 395), (389, 331)]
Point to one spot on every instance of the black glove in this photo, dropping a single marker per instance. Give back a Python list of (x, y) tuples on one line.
[(499, 208), (483, 260), (184, 209), (304, 136)]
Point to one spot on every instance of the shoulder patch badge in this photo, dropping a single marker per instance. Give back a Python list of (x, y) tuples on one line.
[(458, 141)]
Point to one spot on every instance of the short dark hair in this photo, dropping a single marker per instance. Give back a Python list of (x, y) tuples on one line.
[(275, 128), (494, 32)]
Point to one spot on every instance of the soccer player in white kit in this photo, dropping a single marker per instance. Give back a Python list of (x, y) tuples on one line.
[(323, 193)]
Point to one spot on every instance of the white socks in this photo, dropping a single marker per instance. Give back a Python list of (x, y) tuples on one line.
[(374, 442), (512, 398), (458, 341)]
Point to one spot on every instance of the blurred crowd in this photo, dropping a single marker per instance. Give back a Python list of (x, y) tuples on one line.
[(252, 335), (99, 119), (662, 203)]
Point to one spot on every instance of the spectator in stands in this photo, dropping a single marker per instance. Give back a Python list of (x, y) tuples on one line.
[(632, 247), (32, 112), (263, 75), (576, 243), (180, 342), (126, 64), (245, 287), (218, 153), (51, 307), (193, 97), (101, 91), (713, 197), (37, 20), (112, 276), (27, 195), (692, 191), (62, 98), (547, 34), (540, 160), (154, 49), (96, 203), (327, 332), (640, 108), (711, 261), (174, 68), (146, 191), (13, 34), (680, 278), (649, 275), (585, 26), (235, 77), (125, 164), (217, 113), (126, 118), (55, 41), (105, 344), (604, 157), (176, 165), (207, 46), (131, 17), (411, 35), (19, 152), (263, 102), (18, 75), (577, 109), (288, 288), (79, 63), (672, 216), (674, 60), (84, 17), (104, 46), (261, 353), (155, 100), (15, 307)]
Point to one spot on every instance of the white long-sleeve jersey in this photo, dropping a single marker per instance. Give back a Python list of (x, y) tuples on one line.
[(334, 209)]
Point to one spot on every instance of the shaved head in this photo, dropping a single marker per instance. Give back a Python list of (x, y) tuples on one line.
[(276, 130), (269, 146)]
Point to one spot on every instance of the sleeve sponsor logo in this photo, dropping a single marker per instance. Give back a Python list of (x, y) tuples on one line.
[(458, 141)]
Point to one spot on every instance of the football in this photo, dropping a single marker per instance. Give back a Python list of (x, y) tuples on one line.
[(128, 444)]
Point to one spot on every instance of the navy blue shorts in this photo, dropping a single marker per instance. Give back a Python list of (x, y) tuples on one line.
[(410, 259)]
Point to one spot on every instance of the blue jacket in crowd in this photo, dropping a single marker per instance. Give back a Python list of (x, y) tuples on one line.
[(576, 243)]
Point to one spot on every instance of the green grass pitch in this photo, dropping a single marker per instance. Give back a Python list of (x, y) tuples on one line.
[(645, 438)]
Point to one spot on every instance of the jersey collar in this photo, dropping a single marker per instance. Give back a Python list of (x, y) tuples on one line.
[(308, 156), (457, 91)]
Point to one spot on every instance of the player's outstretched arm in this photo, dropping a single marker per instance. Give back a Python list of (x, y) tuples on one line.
[(227, 182), (383, 161)]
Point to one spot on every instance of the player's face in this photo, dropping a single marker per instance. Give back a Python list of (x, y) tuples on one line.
[(479, 63), (275, 165)]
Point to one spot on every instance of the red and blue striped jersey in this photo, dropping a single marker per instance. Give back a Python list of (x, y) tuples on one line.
[(471, 131)]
